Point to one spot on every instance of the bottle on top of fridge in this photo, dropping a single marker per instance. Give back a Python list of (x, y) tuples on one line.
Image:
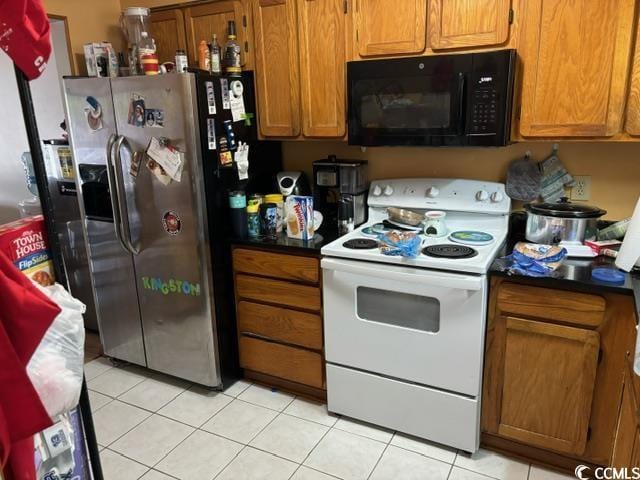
[(203, 55), (232, 64), (147, 55), (182, 63), (214, 51)]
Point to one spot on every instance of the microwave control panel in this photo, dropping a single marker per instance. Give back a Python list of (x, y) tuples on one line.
[(484, 107)]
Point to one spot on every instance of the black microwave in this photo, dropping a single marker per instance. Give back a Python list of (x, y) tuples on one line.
[(438, 100)]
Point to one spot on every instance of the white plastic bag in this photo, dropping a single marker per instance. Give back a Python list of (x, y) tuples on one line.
[(56, 367)]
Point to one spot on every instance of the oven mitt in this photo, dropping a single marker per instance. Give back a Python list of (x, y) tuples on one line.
[(554, 177), (523, 179)]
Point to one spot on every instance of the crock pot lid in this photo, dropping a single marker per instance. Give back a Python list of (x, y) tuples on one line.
[(564, 210)]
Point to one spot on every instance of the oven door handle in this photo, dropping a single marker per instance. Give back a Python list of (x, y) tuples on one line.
[(432, 278)]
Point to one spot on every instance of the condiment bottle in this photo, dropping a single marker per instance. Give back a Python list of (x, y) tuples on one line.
[(214, 51), (203, 55), (232, 63)]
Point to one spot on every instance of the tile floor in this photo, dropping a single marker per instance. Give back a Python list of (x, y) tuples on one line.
[(153, 427)]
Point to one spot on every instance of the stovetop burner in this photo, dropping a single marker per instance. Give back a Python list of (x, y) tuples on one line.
[(449, 251), (360, 244)]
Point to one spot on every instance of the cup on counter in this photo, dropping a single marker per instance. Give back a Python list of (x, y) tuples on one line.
[(238, 205), (269, 219), (278, 199), (434, 224), (253, 220)]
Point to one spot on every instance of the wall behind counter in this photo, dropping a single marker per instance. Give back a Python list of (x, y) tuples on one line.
[(614, 167), (88, 21)]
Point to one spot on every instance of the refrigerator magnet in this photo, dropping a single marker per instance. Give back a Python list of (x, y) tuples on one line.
[(224, 86), (230, 135), (154, 117), (93, 112), (226, 159), (236, 101), (137, 116), (158, 172), (171, 222), (211, 134), (211, 98), (168, 157), (136, 160)]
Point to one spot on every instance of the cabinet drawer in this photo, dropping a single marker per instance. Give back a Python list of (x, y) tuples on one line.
[(277, 292), (290, 363), (560, 305), (278, 265), (291, 326)]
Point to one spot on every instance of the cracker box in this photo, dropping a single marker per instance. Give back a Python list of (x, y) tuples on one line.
[(25, 243)]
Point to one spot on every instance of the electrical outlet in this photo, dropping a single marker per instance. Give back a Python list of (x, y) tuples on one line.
[(582, 189)]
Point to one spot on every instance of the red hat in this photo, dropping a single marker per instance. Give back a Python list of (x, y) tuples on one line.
[(24, 35)]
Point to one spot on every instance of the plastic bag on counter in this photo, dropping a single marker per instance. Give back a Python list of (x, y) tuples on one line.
[(398, 243), (56, 367), (534, 260)]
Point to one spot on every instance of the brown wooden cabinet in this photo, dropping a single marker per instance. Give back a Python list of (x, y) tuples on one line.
[(468, 24), (626, 449), (322, 40), (203, 20), (553, 372), (300, 68), (632, 122), (277, 68), (575, 59), (389, 27), (167, 28), (279, 316)]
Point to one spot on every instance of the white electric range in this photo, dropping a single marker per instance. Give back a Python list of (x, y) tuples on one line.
[(404, 337)]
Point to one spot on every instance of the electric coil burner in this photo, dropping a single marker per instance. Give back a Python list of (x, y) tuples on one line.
[(360, 244), (449, 251)]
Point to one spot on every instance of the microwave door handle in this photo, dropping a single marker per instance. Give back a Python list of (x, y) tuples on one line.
[(460, 93), (406, 274), (120, 188), (113, 192)]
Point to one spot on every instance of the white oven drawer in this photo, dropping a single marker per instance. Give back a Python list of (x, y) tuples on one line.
[(419, 325), (441, 417)]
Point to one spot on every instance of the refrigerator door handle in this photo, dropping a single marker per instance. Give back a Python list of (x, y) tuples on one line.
[(113, 191), (120, 189)]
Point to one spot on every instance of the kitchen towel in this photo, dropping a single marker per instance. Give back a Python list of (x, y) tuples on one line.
[(629, 253), (554, 177)]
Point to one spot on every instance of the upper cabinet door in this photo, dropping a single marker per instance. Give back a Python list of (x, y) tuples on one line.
[(167, 29), (547, 386), (277, 71), (202, 21), (468, 23), (632, 124), (575, 57), (390, 27), (321, 33)]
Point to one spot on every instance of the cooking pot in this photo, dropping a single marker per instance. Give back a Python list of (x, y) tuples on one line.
[(552, 223)]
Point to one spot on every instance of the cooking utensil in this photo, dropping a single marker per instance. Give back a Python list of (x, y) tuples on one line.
[(552, 223), (402, 215)]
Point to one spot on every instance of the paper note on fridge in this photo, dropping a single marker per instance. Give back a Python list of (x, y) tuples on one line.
[(236, 101), (168, 158)]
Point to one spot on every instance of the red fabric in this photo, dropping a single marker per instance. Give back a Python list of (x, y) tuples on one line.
[(24, 35), (25, 316)]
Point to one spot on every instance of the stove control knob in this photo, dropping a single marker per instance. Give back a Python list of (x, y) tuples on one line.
[(388, 191), (482, 195), (433, 192), (497, 197), (377, 191)]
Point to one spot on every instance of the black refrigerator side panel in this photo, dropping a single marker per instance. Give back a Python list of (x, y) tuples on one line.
[(265, 160)]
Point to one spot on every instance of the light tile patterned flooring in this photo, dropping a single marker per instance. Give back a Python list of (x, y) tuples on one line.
[(153, 427)]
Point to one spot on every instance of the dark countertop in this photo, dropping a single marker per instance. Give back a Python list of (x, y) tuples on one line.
[(291, 245)]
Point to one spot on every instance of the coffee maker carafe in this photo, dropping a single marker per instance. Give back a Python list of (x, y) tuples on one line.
[(340, 192)]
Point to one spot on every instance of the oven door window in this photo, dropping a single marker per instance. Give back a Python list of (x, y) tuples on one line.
[(398, 309), (428, 105)]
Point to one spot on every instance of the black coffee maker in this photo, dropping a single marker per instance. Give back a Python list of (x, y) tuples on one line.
[(340, 192)]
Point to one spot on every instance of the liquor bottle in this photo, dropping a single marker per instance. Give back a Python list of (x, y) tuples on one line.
[(232, 51), (203, 55), (214, 50)]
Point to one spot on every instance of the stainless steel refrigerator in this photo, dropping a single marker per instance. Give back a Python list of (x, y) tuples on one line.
[(158, 250)]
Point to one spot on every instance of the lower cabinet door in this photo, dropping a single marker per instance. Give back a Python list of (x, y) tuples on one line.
[(290, 363), (547, 385)]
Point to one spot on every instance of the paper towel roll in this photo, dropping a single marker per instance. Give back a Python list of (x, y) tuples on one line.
[(629, 253)]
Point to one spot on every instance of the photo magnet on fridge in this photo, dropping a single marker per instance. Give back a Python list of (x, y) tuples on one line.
[(137, 116), (171, 222), (93, 111), (154, 117)]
